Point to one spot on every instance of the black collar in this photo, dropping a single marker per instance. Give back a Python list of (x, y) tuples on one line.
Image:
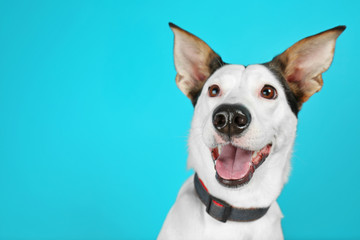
[(223, 211)]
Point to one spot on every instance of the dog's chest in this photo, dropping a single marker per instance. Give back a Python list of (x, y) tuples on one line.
[(188, 220)]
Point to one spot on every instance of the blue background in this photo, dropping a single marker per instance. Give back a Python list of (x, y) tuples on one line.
[(93, 129)]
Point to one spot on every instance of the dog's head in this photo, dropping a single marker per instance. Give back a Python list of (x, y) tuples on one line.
[(245, 117)]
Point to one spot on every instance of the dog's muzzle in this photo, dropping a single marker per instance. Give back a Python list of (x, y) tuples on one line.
[(231, 119), (234, 165)]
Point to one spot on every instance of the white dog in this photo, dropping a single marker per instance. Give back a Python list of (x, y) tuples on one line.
[(241, 136)]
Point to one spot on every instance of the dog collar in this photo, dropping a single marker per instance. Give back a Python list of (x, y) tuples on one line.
[(221, 210)]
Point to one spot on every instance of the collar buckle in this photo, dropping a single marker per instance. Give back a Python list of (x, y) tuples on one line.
[(218, 208)]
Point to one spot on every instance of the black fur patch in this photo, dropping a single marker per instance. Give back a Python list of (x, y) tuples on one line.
[(214, 65), (291, 98)]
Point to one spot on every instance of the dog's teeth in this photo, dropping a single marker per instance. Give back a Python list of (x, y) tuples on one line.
[(254, 154), (219, 149)]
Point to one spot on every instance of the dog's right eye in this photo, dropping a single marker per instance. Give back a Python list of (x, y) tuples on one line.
[(214, 90), (268, 92)]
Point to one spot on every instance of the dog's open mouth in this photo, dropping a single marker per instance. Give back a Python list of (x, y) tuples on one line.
[(235, 166)]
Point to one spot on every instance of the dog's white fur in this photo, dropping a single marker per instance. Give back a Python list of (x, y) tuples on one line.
[(273, 121)]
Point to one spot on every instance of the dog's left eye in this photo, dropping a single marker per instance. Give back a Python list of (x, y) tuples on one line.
[(214, 90), (268, 92)]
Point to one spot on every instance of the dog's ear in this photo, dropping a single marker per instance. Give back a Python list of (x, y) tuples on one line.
[(303, 63), (194, 60)]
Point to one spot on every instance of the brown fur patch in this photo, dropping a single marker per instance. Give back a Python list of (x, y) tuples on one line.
[(303, 78), (193, 71)]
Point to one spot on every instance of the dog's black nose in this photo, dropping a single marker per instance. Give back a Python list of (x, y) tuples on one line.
[(231, 119)]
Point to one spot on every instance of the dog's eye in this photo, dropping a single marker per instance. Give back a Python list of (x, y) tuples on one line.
[(268, 92), (214, 90)]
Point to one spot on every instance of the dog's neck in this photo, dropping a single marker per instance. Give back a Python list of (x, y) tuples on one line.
[(262, 190), (221, 210)]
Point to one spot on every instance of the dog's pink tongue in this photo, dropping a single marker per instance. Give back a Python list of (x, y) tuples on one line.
[(233, 163)]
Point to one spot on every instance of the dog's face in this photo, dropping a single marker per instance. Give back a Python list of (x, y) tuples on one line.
[(242, 116), (245, 117)]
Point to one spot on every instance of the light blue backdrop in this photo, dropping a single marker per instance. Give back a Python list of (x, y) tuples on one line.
[(93, 129)]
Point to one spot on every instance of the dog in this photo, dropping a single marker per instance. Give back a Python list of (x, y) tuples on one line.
[(242, 135)]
